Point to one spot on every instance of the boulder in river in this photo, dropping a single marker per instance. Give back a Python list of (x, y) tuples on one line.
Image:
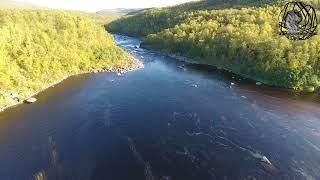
[(144, 45), (265, 160), (30, 100)]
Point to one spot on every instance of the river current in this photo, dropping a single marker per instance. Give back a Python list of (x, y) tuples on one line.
[(168, 121)]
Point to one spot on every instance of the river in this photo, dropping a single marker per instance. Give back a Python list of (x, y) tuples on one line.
[(168, 121)]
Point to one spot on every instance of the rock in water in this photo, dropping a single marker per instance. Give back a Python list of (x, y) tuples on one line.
[(258, 83), (265, 160), (144, 45), (30, 100)]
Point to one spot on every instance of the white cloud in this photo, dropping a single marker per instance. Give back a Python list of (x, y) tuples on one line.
[(95, 5)]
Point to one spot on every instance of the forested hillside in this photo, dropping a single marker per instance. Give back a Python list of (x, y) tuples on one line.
[(38, 48), (237, 35)]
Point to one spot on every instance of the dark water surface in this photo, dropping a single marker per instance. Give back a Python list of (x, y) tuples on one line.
[(167, 121)]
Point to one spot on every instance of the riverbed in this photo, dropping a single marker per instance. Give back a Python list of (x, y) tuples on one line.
[(170, 120)]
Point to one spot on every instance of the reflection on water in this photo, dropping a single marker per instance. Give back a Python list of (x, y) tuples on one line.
[(168, 121), (54, 169)]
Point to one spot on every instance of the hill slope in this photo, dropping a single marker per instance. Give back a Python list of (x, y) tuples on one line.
[(5, 4), (119, 11), (237, 35), (38, 48)]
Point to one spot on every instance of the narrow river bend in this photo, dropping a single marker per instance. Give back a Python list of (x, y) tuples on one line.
[(168, 121)]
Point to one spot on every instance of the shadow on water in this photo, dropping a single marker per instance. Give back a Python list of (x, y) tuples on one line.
[(169, 120)]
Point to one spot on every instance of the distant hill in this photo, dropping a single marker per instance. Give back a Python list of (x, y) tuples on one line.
[(120, 11), (13, 4)]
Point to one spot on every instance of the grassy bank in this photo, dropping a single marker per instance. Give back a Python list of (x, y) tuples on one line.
[(241, 36), (40, 47)]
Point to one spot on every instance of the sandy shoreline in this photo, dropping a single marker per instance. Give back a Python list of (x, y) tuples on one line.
[(136, 66)]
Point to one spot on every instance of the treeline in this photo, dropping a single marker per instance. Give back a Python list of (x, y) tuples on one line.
[(237, 35), (156, 20), (38, 47)]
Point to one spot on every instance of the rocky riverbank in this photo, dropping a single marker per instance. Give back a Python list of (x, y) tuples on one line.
[(15, 98), (259, 82)]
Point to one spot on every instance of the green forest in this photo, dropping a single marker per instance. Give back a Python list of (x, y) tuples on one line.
[(241, 36), (39, 47)]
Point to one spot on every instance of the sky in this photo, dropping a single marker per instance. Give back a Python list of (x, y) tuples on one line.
[(96, 5)]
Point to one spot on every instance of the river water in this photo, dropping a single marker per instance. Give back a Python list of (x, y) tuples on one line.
[(167, 121)]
